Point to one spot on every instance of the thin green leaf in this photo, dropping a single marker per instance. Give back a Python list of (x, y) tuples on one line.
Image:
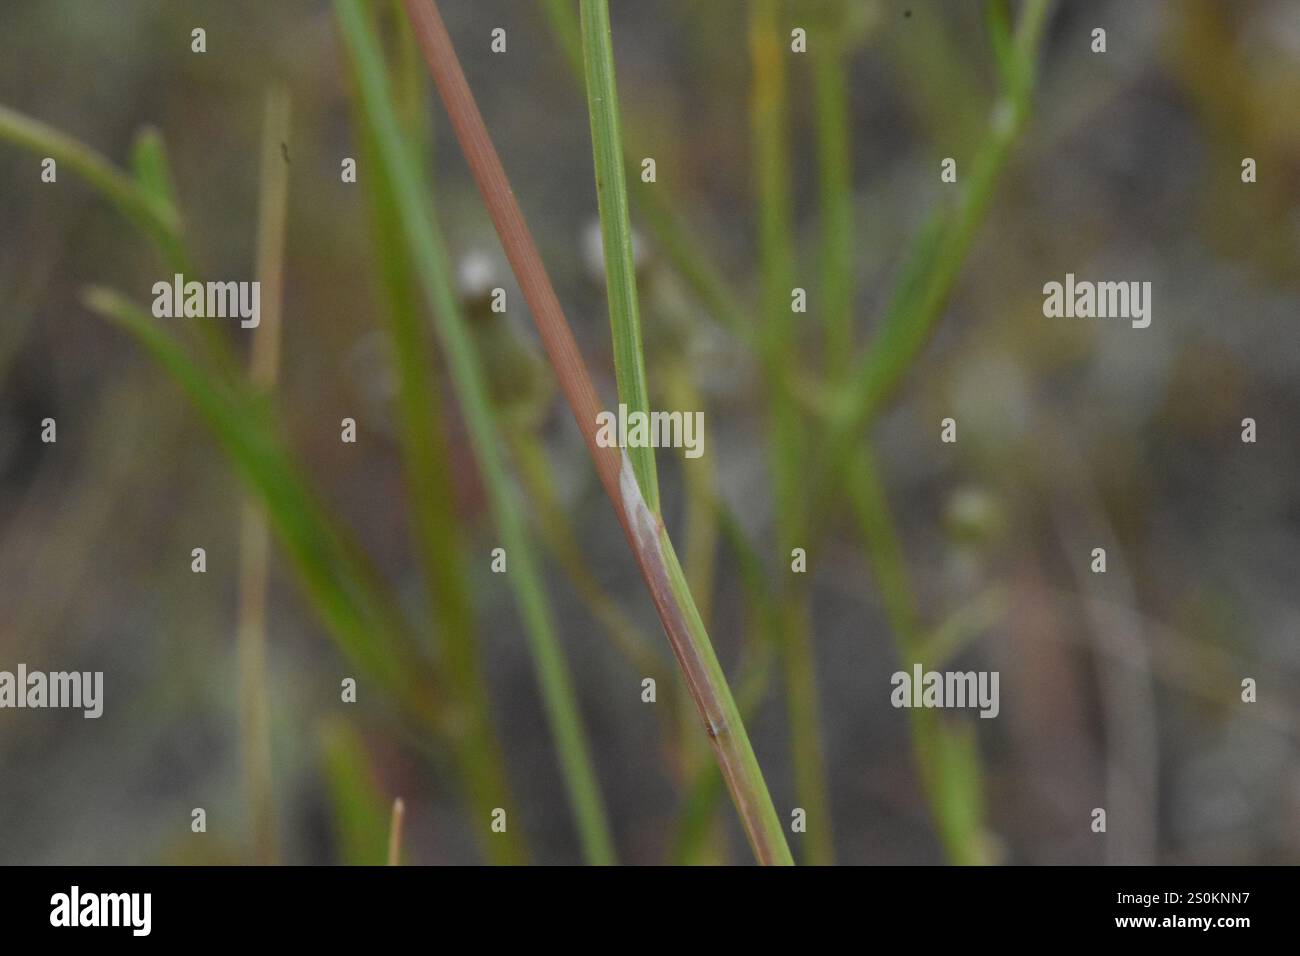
[(674, 236), (787, 449), (343, 588), (358, 806), (430, 258), (835, 174), (151, 168), (616, 232), (643, 529), (436, 528), (931, 269)]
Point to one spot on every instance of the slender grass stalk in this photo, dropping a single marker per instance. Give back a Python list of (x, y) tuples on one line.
[(947, 761), (835, 175), (787, 448), (705, 786), (616, 232), (411, 88), (884, 549), (565, 24), (692, 262), (395, 833), (625, 635), (673, 235), (361, 822), (698, 479), (146, 209), (930, 265), (521, 388), (435, 526), (951, 636), (938, 79), (643, 529), (147, 201), (934, 262), (430, 259), (153, 173), (254, 538), (343, 587)]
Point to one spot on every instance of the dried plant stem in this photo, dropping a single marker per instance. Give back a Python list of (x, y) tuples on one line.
[(254, 539), (395, 833), (643, 528)]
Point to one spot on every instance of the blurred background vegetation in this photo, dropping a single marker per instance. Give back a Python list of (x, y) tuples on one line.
[(1119, 690)]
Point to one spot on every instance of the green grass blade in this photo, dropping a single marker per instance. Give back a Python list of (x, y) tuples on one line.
[(359, 809), (155, 217), (145, 198), (616, 231), (566, 25), (427, 252), (947, 758), (139, 202), (254, 536), (933, 265), (152, 169), (706, 788), (672, 233), (343, 588), (643, 529), (787, 450), (436, 529), (835, 173)]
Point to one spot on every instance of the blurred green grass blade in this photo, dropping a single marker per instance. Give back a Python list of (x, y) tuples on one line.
[(158, 219), (932, 266), (998, 22), (835, 175), (145, 198), (427, 252), (411, 88), (395, 832), (643, 529), (788, 443), (342, 587), (949, 760), (436, 529), (566, 26), (949, 763), (556, 531), (616, 231), (151, 168), (951, 636), (884, 550), (358, 807), (675, 237)]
